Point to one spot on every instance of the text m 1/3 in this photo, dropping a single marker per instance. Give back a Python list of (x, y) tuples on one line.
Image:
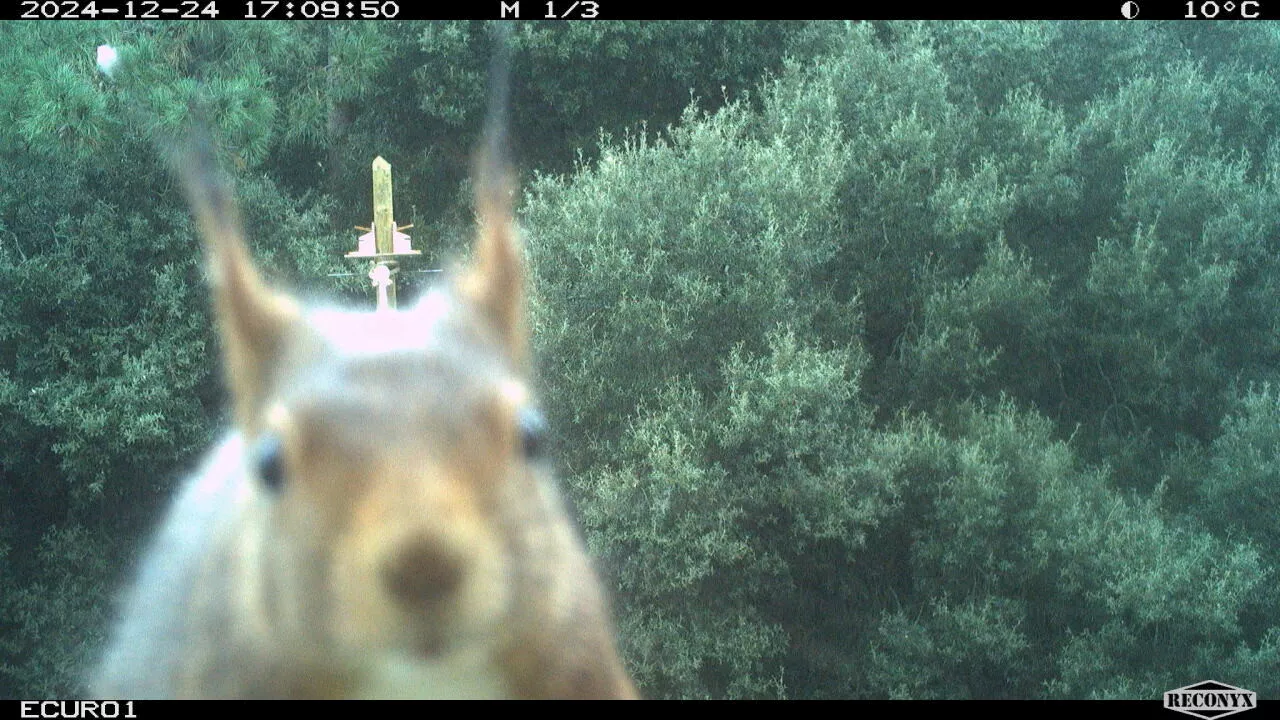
[(561, 10)]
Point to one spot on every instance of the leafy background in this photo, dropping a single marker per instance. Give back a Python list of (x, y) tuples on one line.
[(885, 360)]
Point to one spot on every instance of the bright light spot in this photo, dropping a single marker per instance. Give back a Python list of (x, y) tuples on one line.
[(108, 58)]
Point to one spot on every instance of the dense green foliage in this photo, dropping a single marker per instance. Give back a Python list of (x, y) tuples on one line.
[(891, 360)]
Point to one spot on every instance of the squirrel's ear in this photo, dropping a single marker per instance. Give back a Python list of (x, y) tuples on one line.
[(252, 320), (495, 280)]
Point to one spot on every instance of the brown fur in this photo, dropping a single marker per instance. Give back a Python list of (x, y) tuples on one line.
[(411, 548)]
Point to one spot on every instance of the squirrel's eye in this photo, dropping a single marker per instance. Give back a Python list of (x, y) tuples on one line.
[(533, 434), (268, 462)]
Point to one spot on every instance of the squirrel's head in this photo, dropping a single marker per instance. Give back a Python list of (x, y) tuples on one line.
[(395, 456)]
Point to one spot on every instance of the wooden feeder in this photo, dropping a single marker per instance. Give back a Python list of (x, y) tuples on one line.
[(384, 244)]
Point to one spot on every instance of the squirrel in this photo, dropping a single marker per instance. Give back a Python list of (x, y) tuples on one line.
[(381, 522)]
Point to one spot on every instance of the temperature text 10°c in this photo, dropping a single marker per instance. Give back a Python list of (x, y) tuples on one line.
[(1225, 9)]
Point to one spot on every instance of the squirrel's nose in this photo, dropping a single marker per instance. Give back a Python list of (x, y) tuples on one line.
[(424, 572)]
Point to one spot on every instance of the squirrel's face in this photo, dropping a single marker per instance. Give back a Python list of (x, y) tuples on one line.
[(392, 452)]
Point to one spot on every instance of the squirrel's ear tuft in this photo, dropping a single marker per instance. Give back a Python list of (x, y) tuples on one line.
[(252, 320), (495, 280)]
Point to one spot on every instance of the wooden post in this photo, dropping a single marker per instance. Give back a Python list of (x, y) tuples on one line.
[(382, 214), (384, 228)]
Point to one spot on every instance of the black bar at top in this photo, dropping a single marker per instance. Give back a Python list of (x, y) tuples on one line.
[(586, 10)]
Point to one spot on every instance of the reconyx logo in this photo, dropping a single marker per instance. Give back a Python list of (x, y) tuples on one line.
[(1210, 699)]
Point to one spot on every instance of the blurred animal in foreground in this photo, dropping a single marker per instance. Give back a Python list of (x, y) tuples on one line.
[(381, 521)]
